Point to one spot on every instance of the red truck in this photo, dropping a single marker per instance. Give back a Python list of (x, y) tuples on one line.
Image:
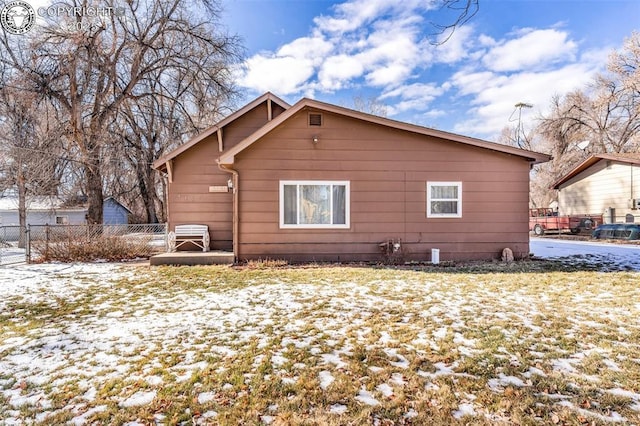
[(547, 220)]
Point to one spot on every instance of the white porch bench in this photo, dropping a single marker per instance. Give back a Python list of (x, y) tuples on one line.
[(195, 234)]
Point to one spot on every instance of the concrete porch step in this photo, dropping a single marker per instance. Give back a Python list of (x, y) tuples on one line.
[(192, 258)]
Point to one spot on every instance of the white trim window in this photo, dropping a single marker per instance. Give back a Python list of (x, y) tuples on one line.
[(314, 204), (444, 199)]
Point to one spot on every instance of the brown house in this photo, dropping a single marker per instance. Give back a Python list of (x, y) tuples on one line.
[(318, 182)]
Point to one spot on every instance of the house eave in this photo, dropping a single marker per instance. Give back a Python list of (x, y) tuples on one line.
[(228, 158), (592, 160)]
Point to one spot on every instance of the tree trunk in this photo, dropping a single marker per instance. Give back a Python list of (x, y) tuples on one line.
[(22, 205), (94, 191), (147, 196)]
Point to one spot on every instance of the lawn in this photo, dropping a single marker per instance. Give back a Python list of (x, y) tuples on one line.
[(519, 344)]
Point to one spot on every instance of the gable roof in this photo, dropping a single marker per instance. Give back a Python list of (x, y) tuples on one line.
[(228, 157), (628, 158), (118, 203), (219, 125)]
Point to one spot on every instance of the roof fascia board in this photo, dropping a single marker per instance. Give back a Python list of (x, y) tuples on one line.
[(589, 162)]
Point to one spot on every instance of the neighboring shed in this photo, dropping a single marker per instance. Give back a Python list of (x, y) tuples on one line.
[(114, 213), (318, 182), (607, 184)]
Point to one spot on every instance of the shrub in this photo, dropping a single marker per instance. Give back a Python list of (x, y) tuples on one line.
[(86, 248)]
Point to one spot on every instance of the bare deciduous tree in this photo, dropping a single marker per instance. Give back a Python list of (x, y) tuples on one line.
[(32, 164), (370, 105), (461, 12), (90, 66), (602, 118)]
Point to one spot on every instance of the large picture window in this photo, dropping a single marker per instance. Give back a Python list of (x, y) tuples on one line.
[(444, 199), (314, 204)]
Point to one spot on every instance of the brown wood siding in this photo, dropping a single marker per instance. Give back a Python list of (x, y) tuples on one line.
[(196, 169), (243, 126), (388, 170), (190, 200)]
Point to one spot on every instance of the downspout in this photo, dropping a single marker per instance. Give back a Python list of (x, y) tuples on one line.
[(634, 200), (236, 215)]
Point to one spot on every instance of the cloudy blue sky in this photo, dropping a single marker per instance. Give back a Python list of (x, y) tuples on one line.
[(511, 51)]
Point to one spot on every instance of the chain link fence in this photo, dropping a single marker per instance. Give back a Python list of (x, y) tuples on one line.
[(13, 245), (68, 243)]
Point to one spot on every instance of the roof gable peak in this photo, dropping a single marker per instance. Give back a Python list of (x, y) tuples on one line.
[(267, 96)]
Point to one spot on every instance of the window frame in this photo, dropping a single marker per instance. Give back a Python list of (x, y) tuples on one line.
[(430, 214), (332, 183), (64, 219)]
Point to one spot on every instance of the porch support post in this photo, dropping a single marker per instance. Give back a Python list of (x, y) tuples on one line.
[(220, 143), (170, 170)]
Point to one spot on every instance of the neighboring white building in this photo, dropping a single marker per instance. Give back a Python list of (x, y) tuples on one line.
[(607, 184), (42, 210), (53, 211)]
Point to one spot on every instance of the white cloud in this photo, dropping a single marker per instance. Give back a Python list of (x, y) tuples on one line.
[(352, 15), (456, 47), (282, 75), (389, 75), (288, 70), (495, 98), (486, 41), (470, 82), (415, 90), (416, 96), (372, 42), (435, 113), (336, 70), (306, 48), (534, 49)]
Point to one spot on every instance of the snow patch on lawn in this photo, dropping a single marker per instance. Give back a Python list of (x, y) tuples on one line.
[(464, 409), (326, 378), (139, 398), (366, 398), (385, 390), (338, 409)]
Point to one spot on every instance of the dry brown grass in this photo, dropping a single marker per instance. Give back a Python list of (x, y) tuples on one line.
[(318, 345)]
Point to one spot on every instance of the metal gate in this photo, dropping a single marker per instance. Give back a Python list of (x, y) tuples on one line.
[(13, 245)]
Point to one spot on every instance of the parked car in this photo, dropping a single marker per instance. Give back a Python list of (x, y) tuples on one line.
[(617, 231)]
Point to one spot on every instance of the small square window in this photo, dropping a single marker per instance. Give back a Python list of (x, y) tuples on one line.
[(444, 199), (62, 220)]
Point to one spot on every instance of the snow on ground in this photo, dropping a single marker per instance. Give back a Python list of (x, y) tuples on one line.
[(606, 256), (87, 326), (11, 255)]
